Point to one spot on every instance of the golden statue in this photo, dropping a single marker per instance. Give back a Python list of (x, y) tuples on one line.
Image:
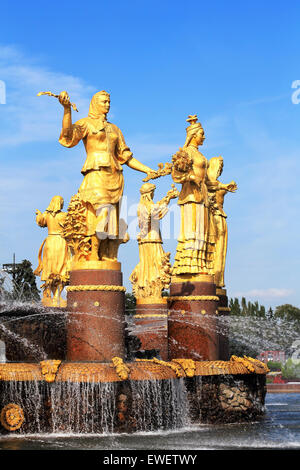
[(195, 248), (102, 186), (152, 274), (53, 254), (217, 193)]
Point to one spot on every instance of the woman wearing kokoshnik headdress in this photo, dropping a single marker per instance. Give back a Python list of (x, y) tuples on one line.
[(195, 248), (103, 183)]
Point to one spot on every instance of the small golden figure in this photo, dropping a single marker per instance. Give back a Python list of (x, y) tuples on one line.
[(53, 254), (217, 192), (152, 274)]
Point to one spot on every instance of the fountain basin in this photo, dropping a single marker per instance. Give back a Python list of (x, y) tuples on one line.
[(145, 395)]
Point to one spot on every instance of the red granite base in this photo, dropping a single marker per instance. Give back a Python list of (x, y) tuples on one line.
[(193, 321), (95, 330), (151, 327)]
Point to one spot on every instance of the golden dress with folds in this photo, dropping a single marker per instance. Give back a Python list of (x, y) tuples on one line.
[(195, 248), (221, 235), (53, 253), (152, 257), (103, 182)]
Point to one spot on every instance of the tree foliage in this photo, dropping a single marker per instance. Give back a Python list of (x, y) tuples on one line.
[(247, 308), (24, 286), (288, 312), (130, 303), (274, 366), (291, 370)]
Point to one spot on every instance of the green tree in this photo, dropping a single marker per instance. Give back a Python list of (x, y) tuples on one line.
[(262, 312), (130, 303), (291, 370), (235, 308), (287, 312), (244, 306), (270, 314), (24, 283), (274, 366)]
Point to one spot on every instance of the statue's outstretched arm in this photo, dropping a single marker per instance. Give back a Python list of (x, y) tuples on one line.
[(217, 185), (136, 165), (40, 218)]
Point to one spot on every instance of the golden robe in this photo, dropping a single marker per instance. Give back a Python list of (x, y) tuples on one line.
[(194, 253), (103, 181), (53, 253), (147, 275)]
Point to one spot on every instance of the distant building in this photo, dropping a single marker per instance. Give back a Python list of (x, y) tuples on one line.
[(274, 356)]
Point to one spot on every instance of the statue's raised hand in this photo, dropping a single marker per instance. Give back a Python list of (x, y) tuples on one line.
[(231, 187), (64, 99)]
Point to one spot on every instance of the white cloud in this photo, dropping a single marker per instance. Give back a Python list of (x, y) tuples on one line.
[(26, 117), (271, 293)]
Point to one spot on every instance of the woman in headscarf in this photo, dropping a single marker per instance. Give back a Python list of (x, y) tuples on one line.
[(53, 254), (103, 183)]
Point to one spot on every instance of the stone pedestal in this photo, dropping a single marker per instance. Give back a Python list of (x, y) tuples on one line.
[(192, 320), (224, 312), (96, 305), (151, 325)]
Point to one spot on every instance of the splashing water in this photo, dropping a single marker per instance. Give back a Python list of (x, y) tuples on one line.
[(171, 404)]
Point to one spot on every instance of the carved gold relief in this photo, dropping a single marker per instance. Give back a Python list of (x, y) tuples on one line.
[(245, 361), (12, 417), (194, 297), (49, 369), (122, 369), (188, 366), (102, 372), (175, 367), (97, 287), (75, 229)]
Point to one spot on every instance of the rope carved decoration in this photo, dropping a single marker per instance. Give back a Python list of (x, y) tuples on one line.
[(95, 287)]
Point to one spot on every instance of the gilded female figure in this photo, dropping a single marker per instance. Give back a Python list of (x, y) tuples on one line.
[(53, 254), (152, 274), (217, 192), (103, 183), (195, 248)]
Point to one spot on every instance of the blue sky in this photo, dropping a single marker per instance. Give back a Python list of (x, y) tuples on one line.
[(232, 63)]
